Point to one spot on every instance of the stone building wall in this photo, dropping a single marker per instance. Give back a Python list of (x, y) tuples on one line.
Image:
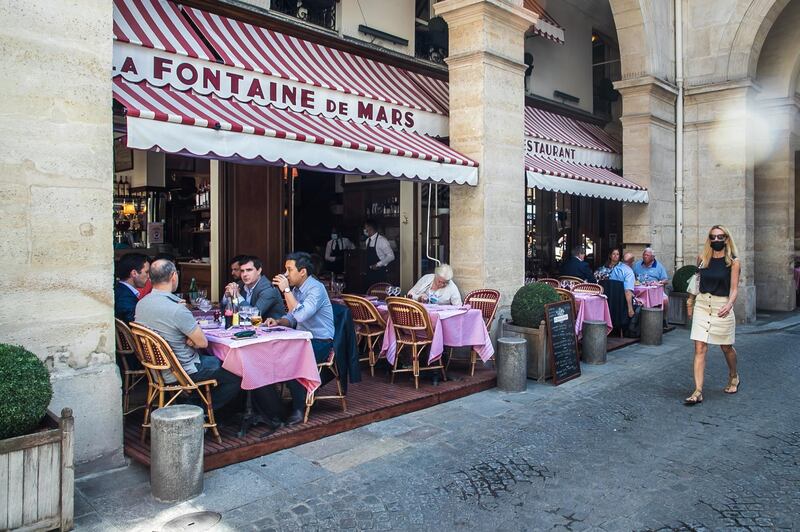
[(55, 208)]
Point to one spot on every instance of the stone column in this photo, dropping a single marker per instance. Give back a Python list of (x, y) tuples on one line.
[(55, 209), (719, 177), (487, 109), (648, 140), (775, 203)]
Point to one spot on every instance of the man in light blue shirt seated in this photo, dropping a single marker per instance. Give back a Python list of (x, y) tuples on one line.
[(624, 273), (309, 310), (649, 270)]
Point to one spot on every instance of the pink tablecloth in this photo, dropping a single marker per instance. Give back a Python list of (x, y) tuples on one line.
[(275, 355), (651, 295), (452, 326), (591, 307)]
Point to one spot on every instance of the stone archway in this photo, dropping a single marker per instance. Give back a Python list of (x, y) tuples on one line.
[(777, 139)]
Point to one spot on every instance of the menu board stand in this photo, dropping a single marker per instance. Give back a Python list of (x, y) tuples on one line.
[(562, 342)]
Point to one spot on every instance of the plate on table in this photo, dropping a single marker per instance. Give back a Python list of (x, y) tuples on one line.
[(206, 324)]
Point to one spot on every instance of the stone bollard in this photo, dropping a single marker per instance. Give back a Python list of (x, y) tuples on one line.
[(652, 326), (176, 453), (512, 364), (594, 342)]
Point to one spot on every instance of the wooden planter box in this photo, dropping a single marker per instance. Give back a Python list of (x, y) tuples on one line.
[(37, 477), (677, 308), (536, 341)]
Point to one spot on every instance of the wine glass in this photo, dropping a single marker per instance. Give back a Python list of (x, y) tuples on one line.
[(244, 316)]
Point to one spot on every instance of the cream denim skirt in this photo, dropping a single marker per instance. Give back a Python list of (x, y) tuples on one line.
[(707, 326)]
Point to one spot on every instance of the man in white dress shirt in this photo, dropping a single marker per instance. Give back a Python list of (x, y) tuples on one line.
[(379, 254), (437, 287)]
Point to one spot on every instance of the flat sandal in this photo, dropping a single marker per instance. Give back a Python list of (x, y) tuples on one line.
[(695, 399), (733, 384)]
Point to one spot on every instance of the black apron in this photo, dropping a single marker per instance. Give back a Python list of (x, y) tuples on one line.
[(374, 276), (337, 266)]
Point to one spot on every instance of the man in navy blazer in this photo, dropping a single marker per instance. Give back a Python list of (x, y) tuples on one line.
[(133, 271), (255, 290), (576, 267)]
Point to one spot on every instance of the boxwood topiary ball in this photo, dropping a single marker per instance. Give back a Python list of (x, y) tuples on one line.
[(25, 391), (680, 281), (527, 308)]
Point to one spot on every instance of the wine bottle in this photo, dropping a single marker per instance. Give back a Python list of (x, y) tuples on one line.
[(229, 314)]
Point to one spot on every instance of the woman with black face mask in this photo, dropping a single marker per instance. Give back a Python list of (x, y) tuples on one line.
[(713, 319)]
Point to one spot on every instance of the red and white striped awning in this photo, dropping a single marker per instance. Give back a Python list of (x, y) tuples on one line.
[(558, 128), (157, 24), (206, 125), (581, 180), (546, 26), (265, 51)]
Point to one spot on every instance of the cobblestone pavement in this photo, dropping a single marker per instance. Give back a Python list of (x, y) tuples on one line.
[(612, 450)]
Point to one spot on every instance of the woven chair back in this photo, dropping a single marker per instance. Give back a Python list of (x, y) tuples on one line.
[(485, 300), (364, 312), (410, 320), (378, 290), (549, 281), (587, 288), (157, 356), (566, 295), (124, 338)]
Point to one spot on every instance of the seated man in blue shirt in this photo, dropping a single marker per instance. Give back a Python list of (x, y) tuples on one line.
[(624, 273), (649, 270), (309, 310)]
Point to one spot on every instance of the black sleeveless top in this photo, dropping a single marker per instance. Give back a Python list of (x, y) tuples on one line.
[(716, 278)]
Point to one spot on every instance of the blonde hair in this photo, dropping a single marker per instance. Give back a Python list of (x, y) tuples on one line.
[(444, 271), (730, 248)]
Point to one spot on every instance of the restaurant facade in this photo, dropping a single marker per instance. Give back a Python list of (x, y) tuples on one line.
[(227, 122)]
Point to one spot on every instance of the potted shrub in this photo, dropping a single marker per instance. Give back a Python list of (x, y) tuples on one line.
[(527, 321), (35, 447), (679, 295)]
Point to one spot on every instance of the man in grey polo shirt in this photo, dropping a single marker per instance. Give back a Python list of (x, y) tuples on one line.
[(166, 314)]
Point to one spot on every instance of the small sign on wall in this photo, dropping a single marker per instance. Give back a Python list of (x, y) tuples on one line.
[(155, 233)]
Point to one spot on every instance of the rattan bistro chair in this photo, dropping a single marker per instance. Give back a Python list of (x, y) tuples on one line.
[(549, 281), (566, 295), (587, 288), (379, 290), (157, 356), (486, 300), (570, 281), (126, 348), (370, 327), (312, 397), (413, 330)]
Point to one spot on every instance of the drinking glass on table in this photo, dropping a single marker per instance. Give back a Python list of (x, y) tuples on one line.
[(204, 304), (255, 319)]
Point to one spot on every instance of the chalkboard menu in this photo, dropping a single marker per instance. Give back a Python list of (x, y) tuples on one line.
[(561, 341)]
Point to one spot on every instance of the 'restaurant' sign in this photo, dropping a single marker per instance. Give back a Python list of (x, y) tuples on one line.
[(546, 149), (137, 63)]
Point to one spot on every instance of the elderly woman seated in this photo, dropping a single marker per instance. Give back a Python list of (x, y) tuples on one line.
[(437, 287)]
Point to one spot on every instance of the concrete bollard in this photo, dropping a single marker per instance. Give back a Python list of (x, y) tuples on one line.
[(176, 453), (652, 326), (512, 364), (594, 342)]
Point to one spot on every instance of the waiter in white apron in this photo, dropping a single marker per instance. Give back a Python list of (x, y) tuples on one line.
[(379, 254)]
